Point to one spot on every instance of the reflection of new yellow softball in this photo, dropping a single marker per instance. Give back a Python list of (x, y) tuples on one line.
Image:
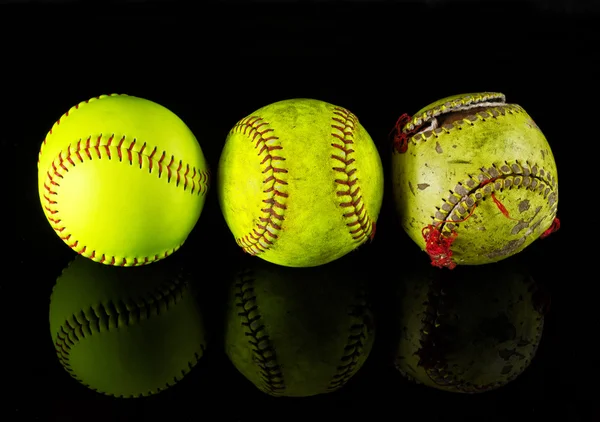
[(126, 332), (122, 180), (300, 183)]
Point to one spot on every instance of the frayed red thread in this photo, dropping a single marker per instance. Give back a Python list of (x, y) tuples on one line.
[(553, 227), (501, 207), (438, 246), (400, 140)]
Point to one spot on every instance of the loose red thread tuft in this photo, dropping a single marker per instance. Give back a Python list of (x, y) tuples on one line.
[(400, 140), (553, 227), (438, 246)]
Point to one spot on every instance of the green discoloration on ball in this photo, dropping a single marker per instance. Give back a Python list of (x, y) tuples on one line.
[(300, 183), (466, 155), (125, 332), (472, 330), (298, 331)]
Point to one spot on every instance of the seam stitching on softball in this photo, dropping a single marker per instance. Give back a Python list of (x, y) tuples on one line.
[(104, 147), (355, 345), (269, 148), (356, 216), (469, 121), (51, 185), (113, 315), (434, 362), (68, 113), (264, 355), (463, 199), (462, 103)]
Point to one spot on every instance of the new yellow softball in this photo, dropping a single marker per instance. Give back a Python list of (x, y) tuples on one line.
[(122, 180), (300, 183)]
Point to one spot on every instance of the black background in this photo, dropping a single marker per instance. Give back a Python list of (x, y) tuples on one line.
[(217, 62)]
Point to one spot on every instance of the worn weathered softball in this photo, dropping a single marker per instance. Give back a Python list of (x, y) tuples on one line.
[(300, 183), (471, 330), (298, 331), (474, 179)]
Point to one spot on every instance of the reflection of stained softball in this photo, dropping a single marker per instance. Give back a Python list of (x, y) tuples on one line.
[(474, 179), (298, 331), (300, 183), (472, 332), (122, 180), (125, 332)]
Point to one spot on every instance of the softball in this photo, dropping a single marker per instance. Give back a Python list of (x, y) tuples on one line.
[(474, 179), (125, 332), (298, 332), (300, 183), (473, 330), (122, 180)]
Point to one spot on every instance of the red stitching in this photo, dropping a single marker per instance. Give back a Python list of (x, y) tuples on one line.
[(64, 159), (265, 232), (84, 149), (76, 107), (344, 123)]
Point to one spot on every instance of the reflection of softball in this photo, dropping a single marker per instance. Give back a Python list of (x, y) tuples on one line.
[(474, 179), (125, 332), (300, 183), (472, 330), (298, 331), (122, 180)]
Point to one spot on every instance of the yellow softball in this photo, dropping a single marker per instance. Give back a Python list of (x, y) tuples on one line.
[(300, 183), (122, 180), (474, 179)]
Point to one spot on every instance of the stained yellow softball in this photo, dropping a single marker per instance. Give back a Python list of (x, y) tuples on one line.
[(300, 183), (474, 180)]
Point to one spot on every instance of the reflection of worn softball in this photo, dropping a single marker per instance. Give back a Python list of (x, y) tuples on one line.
[(300, 183), (298, 331), (472, 331), (125, 332), (474, 179)]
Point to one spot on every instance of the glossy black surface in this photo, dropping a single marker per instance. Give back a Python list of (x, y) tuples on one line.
[(213, 66)]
